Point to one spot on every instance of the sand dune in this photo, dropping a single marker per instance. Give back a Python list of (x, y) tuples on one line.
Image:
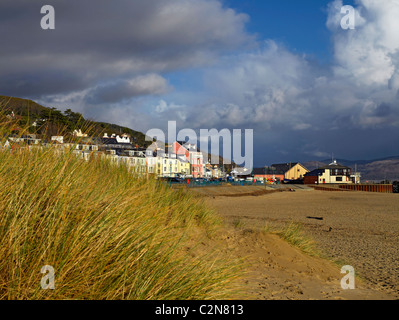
[(359, 229)]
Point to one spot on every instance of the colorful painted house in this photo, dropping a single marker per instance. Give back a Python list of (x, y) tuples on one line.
[(291, 170), (184, 167), (193, 155)]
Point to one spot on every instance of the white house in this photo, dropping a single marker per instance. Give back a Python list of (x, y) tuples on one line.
[(119, 139), (332, 173), (79, 133), (59, 139)]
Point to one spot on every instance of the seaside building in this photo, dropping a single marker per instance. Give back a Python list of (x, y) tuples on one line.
[(241, 173), (184, 168), (79, 133), (57, 139), (332, 173), (269, 174), (193, 155), (291, 171), (135, 158), (213, 171)]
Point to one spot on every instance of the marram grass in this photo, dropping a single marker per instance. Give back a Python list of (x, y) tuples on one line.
[(109, 234), (293, 233)]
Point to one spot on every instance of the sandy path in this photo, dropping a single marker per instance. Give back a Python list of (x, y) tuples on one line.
[(364, 233)]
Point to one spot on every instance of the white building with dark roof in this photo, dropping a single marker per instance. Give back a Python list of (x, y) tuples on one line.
[(332, 173)]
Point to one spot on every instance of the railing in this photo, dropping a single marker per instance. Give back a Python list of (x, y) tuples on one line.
[(206, 183), (384, 188)]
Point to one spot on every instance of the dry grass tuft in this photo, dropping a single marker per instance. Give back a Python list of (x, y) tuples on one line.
[(293, 233), (109, 234)]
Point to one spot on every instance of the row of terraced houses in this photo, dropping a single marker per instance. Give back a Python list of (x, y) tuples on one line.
[(178, 159), (185, 160)]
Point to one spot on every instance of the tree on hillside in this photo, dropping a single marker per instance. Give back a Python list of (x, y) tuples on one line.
[(74, 119)]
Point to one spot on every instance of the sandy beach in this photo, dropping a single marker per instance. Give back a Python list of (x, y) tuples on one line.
[(352, 228)]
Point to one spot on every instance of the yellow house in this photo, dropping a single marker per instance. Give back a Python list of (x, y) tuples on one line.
[(184, 168), (291, 171), (296, 172)]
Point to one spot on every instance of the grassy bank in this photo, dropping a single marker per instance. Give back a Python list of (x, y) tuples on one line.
[(108, 233), (293, 233)]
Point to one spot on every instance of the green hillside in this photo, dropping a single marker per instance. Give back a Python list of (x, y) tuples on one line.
[(47, 121)]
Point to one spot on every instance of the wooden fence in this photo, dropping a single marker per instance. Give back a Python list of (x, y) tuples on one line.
[(322, 188), (384, 188)]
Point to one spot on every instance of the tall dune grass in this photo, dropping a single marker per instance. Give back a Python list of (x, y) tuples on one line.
[(293, 233), (108, 233)]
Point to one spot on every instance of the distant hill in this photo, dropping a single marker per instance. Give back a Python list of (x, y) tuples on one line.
[(21, 106), (312, 165), (50, 121), (227, 164), (371, 170)]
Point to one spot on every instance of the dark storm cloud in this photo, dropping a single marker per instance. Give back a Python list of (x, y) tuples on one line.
[(353, 143), (33, 84), (101, 40), (121, 90), (104, 53), (383, 110)]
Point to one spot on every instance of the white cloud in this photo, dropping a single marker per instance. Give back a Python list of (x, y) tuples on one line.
[(273, 87), (171, 111), (369, 54)]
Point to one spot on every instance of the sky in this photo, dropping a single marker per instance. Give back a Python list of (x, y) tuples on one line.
[(285, 69)]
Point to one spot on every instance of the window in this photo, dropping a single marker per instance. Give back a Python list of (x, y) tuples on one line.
[(339, 179)]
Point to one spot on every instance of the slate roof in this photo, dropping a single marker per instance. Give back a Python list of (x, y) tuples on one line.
[(267, 170), (109, 141), (334, 166), (321, 170), (282, 168), (315, 173)]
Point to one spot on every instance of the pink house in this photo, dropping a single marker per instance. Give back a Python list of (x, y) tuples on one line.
[(193, 155), (179, 149)]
